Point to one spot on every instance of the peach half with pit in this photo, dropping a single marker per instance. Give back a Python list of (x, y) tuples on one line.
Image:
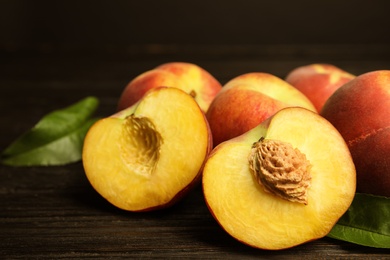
[(247, 100), (150, 155), (283, 183), (318, 81), (189, 77), (360, 110)]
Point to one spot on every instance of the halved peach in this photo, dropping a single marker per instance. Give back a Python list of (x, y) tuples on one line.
[(149, 155), (283, 183)]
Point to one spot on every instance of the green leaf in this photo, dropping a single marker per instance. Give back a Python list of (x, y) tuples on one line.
[(366, 222), (56, 139)]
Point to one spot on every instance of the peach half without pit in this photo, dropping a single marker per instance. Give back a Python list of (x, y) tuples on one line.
[(148, 156), (283, 183)]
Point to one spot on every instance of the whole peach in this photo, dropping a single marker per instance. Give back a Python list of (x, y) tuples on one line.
[(318, 81), (191, 78), (247, 100), (360, 110)]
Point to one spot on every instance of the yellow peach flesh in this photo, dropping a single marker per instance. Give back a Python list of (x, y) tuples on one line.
[(261, 219)]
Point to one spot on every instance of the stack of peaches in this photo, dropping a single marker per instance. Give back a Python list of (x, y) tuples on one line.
[(279, 160)]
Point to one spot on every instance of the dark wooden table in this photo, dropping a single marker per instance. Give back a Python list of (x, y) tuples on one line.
[(53, 212)]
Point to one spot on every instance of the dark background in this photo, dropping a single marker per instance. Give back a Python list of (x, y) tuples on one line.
[(115, 24)]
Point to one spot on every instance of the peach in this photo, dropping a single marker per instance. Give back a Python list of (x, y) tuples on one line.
[(189, 77), (247, 100), (283, 183), (318, 81), (360, 110), (150, 155)]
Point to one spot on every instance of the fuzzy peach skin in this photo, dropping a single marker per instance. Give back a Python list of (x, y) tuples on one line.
[(247, 100), (189, 77), (318, 81), (360, 110)]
